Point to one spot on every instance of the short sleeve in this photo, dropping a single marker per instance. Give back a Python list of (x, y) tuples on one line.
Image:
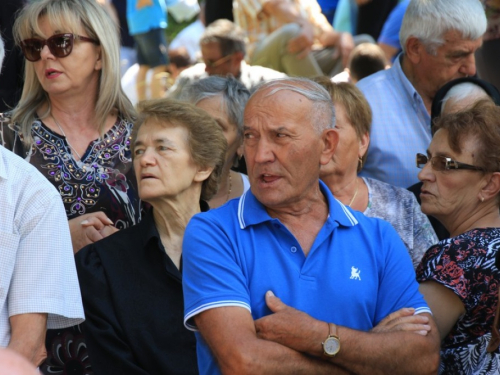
[(212, 274), (44, 277), (452, 263), (398, 286)]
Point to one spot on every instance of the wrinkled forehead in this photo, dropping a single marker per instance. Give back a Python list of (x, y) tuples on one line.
[(60, 21)]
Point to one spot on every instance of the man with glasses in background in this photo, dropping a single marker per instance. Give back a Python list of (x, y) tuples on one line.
[(223, 51)]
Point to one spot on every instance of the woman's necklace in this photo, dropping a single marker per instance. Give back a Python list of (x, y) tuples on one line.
[(355, 193), (230, 186), (63, 133)]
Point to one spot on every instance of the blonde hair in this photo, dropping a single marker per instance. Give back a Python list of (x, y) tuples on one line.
[(206, 141), (71, 16)]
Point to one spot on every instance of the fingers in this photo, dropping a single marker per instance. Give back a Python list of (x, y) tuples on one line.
[(108, 230), (97, 219), (273, 302), (92, 235)]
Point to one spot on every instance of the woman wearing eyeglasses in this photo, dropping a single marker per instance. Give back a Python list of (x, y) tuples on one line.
[(461, 185), (74, 124)]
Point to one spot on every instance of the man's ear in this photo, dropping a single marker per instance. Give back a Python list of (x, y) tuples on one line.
[(414, 49), (330, 140), (492, 187)]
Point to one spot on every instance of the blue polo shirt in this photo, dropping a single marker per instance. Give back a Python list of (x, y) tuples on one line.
[(401, 127), (357, 272)]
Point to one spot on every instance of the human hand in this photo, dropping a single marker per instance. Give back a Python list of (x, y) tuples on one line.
[(290, 327), (302, 43), (89, 228), (404, 319)]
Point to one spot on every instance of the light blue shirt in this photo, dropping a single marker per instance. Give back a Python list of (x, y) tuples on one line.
[(147, 18), (356, 273), (401, 127)]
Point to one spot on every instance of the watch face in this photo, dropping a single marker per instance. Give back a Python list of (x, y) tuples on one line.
[(331, 346)]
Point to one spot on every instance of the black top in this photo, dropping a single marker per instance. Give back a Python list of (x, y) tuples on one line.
[(134, 307)]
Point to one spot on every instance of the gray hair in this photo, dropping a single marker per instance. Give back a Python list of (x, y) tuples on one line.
[(229, 36), (464, 91), (429, 20), (2, 52), (234, 96), (323, 116)]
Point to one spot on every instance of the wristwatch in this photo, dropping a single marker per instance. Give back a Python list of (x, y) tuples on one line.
[(331, 346)]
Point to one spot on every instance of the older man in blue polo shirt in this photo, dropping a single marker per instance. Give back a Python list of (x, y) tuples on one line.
[(338, 272)]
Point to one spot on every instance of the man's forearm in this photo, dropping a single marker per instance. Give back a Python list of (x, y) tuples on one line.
[(28, 336)]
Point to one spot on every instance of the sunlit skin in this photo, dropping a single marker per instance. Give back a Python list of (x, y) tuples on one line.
[(278, 134), (428, 72), (340, 174), (74, 75), (211, 52), (163, 165), (451, 196)]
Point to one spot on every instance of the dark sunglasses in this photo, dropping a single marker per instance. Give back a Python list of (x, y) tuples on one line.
[(60, 45), (442, 163)]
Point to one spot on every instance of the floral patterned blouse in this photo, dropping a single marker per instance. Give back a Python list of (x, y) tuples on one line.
[(103, 180), (466, 265)]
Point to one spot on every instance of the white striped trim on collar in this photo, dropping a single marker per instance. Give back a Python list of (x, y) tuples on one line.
[(348, 213), (241, 204)]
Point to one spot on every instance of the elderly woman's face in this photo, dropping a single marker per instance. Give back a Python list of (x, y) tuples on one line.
[(450, 195), (215, 107), (77, 73), (349, 148), (163, 164)]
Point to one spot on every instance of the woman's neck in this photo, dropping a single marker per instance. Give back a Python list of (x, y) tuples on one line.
[(171, 217), (484, 217), (231, 186)]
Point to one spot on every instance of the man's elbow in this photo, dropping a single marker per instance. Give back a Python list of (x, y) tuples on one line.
[(239, 362), (431, 358)]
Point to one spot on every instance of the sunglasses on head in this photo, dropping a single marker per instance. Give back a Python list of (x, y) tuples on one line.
[(60, 45), (442, 163)]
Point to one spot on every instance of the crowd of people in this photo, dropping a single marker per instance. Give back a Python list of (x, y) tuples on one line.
[(301, 200)]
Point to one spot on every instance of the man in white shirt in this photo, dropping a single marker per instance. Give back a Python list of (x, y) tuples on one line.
[(35, 256)]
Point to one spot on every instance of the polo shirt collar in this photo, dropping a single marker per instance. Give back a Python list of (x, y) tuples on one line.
[(405, 82), (252, 212)]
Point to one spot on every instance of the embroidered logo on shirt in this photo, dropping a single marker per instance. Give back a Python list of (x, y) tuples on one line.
[(355, 273)]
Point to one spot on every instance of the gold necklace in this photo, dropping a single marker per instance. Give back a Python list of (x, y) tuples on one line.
[(230, 186), (67, 141), (355, 193)]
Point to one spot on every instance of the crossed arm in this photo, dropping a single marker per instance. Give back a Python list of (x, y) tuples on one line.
[(289, 341)]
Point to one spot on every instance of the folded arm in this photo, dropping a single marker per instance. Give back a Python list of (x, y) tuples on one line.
[(231, 336), (377, 352)]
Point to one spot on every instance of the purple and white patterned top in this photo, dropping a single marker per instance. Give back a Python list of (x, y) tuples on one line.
[(103, 180)]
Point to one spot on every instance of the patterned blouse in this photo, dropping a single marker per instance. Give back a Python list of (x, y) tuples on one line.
[(399, 207), (466, 265), (103, 180)]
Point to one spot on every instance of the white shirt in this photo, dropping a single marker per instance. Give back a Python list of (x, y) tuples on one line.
[(37, 267)]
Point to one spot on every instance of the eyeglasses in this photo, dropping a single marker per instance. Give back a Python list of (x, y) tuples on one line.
[(216, 63), (60, 45), (442, 163)]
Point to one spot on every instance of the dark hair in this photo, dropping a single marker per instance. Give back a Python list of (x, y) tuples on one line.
[(207, 144), (365, 60)]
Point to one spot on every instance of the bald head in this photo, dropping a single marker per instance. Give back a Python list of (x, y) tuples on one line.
[(13, 363)]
